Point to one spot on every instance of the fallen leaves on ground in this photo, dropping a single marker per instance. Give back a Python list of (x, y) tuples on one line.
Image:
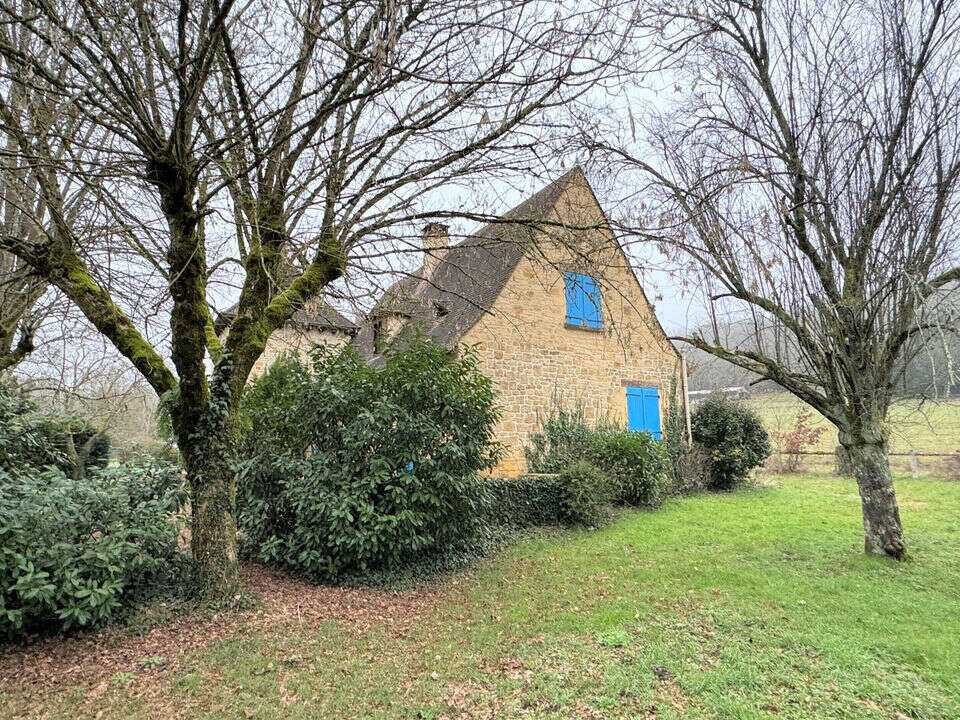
[(89, 660)]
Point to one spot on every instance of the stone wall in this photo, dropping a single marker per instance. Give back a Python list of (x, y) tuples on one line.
[(300, 341), (525, 346)]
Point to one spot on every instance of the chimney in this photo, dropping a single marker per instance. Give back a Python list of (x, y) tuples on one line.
[(436, 242)]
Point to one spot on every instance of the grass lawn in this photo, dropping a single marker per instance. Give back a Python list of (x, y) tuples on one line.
[(758, 604)]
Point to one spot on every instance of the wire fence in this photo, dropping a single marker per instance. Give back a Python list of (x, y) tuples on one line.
[(912, 426)]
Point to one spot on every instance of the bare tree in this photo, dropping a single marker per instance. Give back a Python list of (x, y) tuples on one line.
[(25, 215), (811, 172), (254, 140), (20, 289)]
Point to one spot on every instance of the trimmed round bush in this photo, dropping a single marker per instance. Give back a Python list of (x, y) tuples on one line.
[(735, 438), (74, 553), (354, 469), (585, 493), (635, 463)]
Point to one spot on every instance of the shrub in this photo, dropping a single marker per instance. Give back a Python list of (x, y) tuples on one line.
[(522, 502), (791, 444), (564, 436), (509, 506), (31, 438), (692, 469), (585, 493), (734, 436), (148, 481), (352, 468), (20, 437), (635, 463), (74, 553), (270, 415)]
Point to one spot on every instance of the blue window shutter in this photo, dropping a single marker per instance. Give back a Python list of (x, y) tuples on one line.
[(643, 410), (583, 300), (634, 409), (651, 411), (592, 309)]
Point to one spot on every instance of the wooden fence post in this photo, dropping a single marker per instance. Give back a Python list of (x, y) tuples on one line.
[(914, 465)]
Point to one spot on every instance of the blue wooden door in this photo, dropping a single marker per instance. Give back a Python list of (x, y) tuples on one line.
[(643, 410)]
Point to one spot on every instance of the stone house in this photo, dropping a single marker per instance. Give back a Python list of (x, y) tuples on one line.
[(549, 301), (317, 323)]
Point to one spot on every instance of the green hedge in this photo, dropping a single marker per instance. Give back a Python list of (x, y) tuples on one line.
[(75, 553), (523, 502), (353, 469), (579, 495), (636, 465), (508, 506)]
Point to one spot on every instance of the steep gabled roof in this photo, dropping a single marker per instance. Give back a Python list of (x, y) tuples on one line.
[(471, 275)]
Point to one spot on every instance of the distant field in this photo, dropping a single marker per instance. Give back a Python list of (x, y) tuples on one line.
[(927, 427)]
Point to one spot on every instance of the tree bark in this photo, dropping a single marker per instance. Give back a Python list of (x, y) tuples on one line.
[(201, 415), (867, 449), (213, 538), (842, 465), (207, 450)]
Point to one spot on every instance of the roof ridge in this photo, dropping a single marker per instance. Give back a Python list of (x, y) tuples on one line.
[(555, 186), (474, 270)]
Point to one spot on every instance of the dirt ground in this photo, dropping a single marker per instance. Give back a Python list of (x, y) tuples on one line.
[(86, 661)]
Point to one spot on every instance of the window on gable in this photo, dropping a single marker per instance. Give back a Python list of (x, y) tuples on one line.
[(584, 306)]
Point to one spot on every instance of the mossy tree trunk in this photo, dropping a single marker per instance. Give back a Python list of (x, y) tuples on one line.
[(208, 454), (213, 538), (203, 408)]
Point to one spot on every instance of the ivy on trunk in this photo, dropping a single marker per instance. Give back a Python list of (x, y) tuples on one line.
[(208, 147)]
